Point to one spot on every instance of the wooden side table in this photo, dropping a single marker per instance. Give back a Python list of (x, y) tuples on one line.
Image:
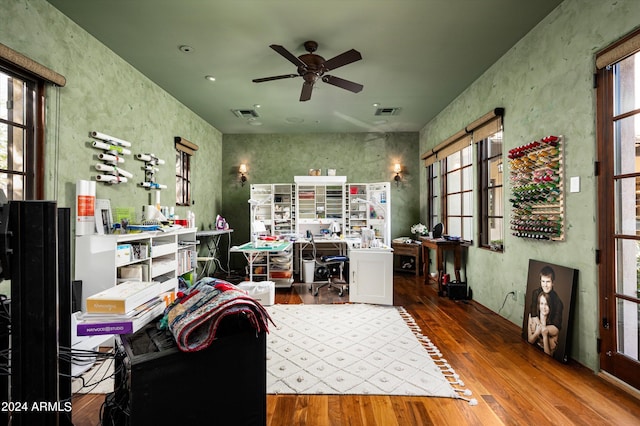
[(407, 250), (440, 245)]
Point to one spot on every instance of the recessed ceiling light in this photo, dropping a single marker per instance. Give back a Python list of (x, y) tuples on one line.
[(294, 120), (186, 49), (255, 123), (210, 77), (257, 105), (376, 104)]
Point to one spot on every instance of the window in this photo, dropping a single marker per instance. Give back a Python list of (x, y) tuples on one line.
[(458, 194), (454, 156), (184, 152), (490, 193), (433, 211), (21, 136), (183, 178)]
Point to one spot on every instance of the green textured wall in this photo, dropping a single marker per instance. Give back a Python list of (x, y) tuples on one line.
[(362, 157), (106, 94), (545, 84)]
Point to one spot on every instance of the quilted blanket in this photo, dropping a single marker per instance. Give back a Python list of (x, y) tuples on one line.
[(194, 317)]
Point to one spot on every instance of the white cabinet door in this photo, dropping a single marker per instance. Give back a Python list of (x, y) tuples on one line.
[(371, 276)]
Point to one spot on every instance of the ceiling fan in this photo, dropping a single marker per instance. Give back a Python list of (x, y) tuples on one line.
[(312, 66)]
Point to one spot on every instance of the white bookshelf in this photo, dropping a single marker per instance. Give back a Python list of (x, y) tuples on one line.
[(163, 257)]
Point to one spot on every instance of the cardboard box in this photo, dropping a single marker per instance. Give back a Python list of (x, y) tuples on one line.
[(263, 291)]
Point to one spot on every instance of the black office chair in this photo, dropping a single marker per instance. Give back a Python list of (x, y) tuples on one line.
[(325, 268)]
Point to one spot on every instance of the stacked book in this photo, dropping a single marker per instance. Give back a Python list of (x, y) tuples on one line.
[(122, 309)]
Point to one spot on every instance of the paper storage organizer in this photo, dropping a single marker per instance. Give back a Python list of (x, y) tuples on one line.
[(536, 172)]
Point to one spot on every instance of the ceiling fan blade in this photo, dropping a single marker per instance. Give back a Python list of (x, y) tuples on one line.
[(305, 95), (288, 55), (342, 83), (275, 77), (342, 59)]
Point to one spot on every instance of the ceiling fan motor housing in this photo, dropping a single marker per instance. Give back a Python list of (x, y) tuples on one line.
[(311, 67)]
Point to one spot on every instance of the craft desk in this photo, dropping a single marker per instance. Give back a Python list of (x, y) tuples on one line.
[(440, 246), (402, 250), (324, 245), (212, 240), (267, 248)]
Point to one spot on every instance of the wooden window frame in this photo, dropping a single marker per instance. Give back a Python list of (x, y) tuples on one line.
[(484, 187), (34, 133)]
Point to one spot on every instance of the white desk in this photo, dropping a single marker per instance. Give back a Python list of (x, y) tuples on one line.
[(322, 244)]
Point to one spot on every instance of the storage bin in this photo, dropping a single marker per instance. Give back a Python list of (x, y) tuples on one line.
[(308, 270), (263, 291)]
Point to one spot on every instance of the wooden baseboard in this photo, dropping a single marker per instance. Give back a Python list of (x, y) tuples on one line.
[(620, 384)]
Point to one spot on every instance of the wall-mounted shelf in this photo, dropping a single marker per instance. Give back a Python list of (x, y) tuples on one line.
[(537, 189)]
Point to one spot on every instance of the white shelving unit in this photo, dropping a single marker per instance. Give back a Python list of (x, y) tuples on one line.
[(375, 213), (320, 203), (278, 214), (162, 257)]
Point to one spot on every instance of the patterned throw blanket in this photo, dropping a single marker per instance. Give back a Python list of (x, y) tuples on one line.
[(194, 317)]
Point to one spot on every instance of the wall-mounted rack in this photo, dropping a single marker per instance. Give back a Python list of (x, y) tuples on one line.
[(537, 189), (150, 169), (114, 148)]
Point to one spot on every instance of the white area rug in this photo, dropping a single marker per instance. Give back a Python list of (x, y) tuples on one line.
[(354, 349)]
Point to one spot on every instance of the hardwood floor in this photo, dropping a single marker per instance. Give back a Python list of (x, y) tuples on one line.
[(514, 383)]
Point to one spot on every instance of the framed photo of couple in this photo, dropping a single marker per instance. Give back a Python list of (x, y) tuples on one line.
[(548, 307)]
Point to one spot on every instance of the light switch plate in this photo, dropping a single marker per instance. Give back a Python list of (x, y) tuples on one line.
[(575, 184)]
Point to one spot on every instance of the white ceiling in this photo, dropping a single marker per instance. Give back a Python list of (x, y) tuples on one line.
[(418, 55)]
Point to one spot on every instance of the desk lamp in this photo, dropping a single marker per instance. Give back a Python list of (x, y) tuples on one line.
[(256, 225)]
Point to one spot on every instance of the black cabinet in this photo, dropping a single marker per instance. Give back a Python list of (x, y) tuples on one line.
[(158, 384)]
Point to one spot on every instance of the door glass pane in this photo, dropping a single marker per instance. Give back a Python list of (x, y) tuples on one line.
[(628, 314), (625, 92), (627, 267), (627, 206), (626, 139)]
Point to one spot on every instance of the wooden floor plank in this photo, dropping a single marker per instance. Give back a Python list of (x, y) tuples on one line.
[(512, 381)]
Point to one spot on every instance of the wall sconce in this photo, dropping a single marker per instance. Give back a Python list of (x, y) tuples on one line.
[(397, 168), (243, 170)]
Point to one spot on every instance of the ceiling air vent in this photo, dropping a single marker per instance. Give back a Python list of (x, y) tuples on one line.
[(245, 113), (388, 111)]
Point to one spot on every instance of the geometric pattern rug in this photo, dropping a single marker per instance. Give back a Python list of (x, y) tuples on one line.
[(354, 349)]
